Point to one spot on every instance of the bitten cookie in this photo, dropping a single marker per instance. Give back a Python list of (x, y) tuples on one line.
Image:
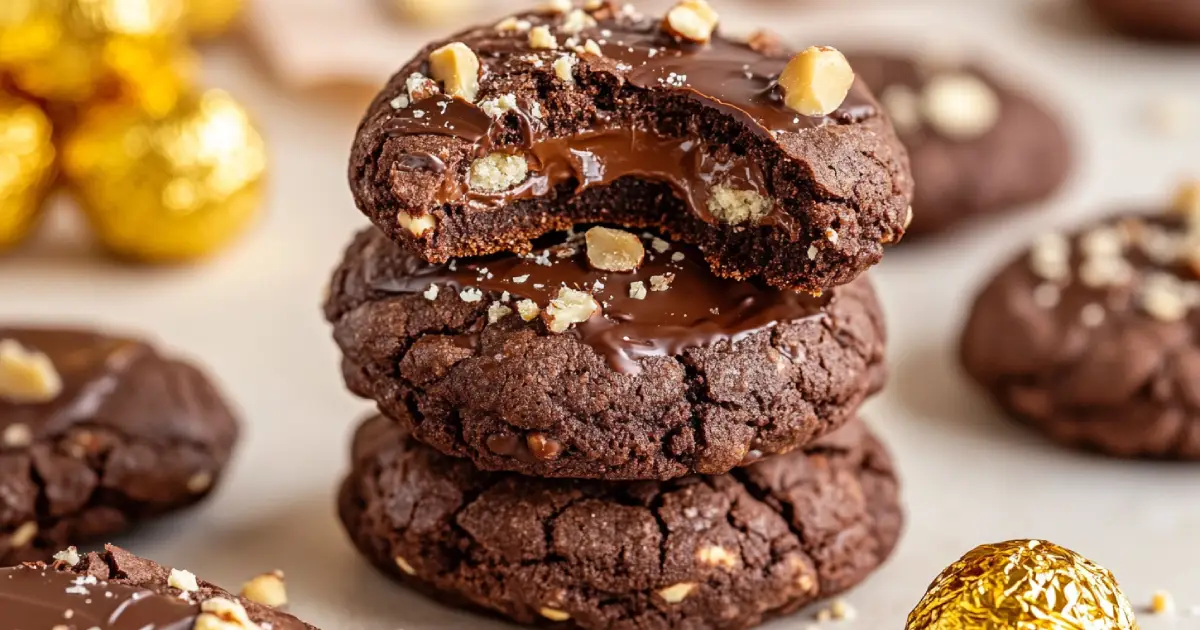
[(977, 146), (1091, 337), (98, 433), (1172, 20), (486, 141), (719, 553), (116, 590), (550, 366)]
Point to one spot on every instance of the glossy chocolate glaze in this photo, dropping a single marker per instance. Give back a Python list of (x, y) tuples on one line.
[(35, 597), (699, 309), (723, 74)]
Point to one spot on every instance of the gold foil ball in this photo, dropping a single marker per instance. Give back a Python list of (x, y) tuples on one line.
[(211, 18), (72, 50), (171, 188), (26, 167), (1023, 585)]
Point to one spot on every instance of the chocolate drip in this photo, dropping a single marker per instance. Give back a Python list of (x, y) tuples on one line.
[(40, 597), (698, 310)]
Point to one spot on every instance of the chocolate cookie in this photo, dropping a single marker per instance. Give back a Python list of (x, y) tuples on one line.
[(1170, 20), (977, 145), (721, 552), (561, 118), (116, 590), (1091, 337), (546, 366), (97, 433)]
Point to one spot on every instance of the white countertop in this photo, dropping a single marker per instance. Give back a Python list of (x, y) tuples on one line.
[(970, 476)]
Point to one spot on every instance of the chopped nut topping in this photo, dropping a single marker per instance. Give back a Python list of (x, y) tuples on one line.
[(544, 448), (716, 555), (470, 294), (1049, 258), (1163, 297), (614, 250), (831, 235), (1162, 603), (405, 566), (432, 292), (223, 614), (903, 106), (497, 312), (593, 5), (554, 614), (637, 290), (26, 376), (576, 21), (499, 106), (659, 245), (513, 25), (420, 87), (557, 6), (23, 535), (1187, 200), (457, 67), (960, 106), (17, 435), (68, 556), (564, 68), (661, 283), (813, 252), (693, 20), (842, 610), (816, 81), (528, 310), (541, 38), (498, 172), (426, 12), (677, 257), (267, 589), (592, 48), (676, 592), (418, 226), (735, 207), (183, 580), (199, 482), (570, 307)]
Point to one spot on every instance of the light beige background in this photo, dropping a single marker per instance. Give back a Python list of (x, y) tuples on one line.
[(970, 477)]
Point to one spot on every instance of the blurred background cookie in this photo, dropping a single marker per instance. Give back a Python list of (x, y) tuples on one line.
[(1173, 20)]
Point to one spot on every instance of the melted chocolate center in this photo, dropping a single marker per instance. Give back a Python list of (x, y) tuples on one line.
[(33, 598), (697, 309)]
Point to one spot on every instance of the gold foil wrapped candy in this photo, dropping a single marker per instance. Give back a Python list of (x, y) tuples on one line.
[(1023, 585), (72, 50), (170, 188), (211, 18), (26, 166)]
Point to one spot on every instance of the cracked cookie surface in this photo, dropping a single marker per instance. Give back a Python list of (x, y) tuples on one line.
[(1091, 337), (676, 372), (503, 133), (97, 433), (708, 553)]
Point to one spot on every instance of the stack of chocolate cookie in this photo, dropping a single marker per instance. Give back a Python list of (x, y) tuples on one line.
[(612, 316)]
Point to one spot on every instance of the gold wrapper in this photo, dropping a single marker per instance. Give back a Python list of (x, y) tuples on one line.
[(211, 18), (167, 189), (26, 167), (72, 50), (1023, 585)]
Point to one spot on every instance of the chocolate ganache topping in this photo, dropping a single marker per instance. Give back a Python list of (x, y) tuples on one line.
[(37, 597), (670, 303), (627, 136)]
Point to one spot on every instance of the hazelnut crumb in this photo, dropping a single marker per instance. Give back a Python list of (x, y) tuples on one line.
[(614, 250), (432, 292), (499, 106), (223, 614), (183, 580), (553, 614), (520, 279), (23, 535), (68, 556), (27, 376), (418, 226), (528, 310), (1162, 603), (556, 6), (405, 566), (564, 68), (960, 106), (693, 20), (513, 25), (677, 257), (592, 48), (816, 81), (637, 290), (840, 609), (576, 21), (593, 5), (676, 592), (17, 435), (813, 252), (497, 312), (420, 87), (659, 245), (540, 38), (200, 482), (267, 589), (470, 294), (831, 235), (661, 283), (570, 307), (716, 555)]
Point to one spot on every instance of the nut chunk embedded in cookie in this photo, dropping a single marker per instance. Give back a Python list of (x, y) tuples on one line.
[(567, 116)]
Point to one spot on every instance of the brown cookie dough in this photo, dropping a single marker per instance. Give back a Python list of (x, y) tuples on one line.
[(720, 553), (1170, 20), (1091, 337), (116, 590), (605, 115), (652, 374), (97, 433), (977, 145)]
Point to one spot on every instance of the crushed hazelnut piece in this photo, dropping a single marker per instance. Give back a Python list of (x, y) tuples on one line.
[(564, 69), (1163, 297), (405, 566), (677, 257), (223, 614), (735, 207), (513, 25), (420, 87), (26, 376), (1162, 603), (497, 312), (554, 614), (17, 435), (183, 580), (816, 81), (593, 5), (470, 294), (528, 310), (267, 589), (23, 535), (614, 250), (840, 609), (456, 66), (659, 245), (418, 226), (637, 290), (831, 235), (499, 106), (570, 307), (199, 482), (716, 555), (68, 556), (541, 38), (576, 21), (1049, 258), (498, 172), (813, 252), (960, 106), (661, 283), (432, 292), (693, 20), (676, 592), (592, 48), (557, 6)]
